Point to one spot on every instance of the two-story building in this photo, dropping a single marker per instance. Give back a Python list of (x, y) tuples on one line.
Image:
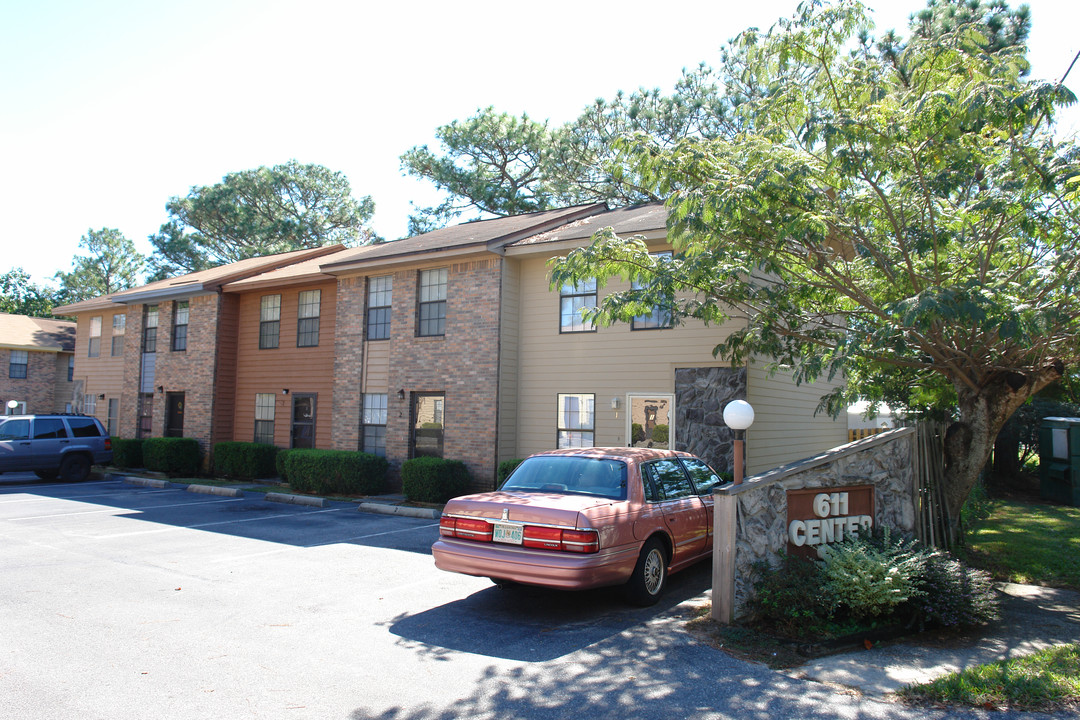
[(451, 343), (38, 356)]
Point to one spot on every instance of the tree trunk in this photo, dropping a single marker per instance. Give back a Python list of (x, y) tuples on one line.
[(982, 414), (1007, 453)]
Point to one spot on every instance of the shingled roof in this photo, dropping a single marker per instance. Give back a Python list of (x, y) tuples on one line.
[(21, 332)]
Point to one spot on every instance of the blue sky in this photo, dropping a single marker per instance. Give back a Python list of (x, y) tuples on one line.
[(113, 106)]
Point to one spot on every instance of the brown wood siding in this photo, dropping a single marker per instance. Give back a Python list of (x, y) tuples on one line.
[(225, 369), (299, 370)]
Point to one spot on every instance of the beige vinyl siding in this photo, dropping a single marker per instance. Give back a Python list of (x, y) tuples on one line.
[(62, 389), (102, 375), (299, 370), (377, 367), (610, 362), (509, 358), (785, 428)]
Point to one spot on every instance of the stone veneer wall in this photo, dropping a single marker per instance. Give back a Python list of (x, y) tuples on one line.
[(700, 397), (886, 461)]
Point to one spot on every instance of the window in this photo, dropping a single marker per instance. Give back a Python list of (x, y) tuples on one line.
[(432, 315), (303, 421), (576, 420), (572, 300), (15, 430), (380, 298), (95, 337), (119, 327), (114, 416), (49, 429), (307, 323), (83, 427), (150, 330), (661, 315), (180, 325), (264, 418), (269, 321), (373, 424), (427, 425), (702, 475), (665, 480), (17, 365), (89, 404), (71, 368), (146, 414)]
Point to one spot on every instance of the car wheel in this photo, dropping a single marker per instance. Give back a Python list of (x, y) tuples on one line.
[(646, 585), (75, 468), (46, 474)]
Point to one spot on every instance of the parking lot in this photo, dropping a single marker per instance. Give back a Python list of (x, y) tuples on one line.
[(124, 602)]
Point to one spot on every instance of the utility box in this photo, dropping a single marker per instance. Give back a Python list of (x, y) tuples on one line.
[(1059, 460)]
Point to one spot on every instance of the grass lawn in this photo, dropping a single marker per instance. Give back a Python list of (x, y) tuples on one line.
[(1027, 542)]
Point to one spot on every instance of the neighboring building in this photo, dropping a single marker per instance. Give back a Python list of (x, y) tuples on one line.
[(450, 343), (36, 364)]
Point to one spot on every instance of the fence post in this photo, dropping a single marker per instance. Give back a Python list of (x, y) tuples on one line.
[(723, 561)]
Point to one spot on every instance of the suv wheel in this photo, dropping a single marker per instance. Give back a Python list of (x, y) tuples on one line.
[(75, 468)]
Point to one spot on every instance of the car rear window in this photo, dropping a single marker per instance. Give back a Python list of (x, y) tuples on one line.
[(49, 429), (568, 474), (84, 427)]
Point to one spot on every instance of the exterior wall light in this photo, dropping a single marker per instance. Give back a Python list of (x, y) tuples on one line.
[(738, 415), (401, 394), (284, 391)]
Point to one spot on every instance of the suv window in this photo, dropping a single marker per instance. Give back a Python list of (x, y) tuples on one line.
[(49, 429), (84, 427), (15, 430)]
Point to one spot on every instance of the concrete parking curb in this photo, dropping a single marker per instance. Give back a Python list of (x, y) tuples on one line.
[(296, 499), (403, 510), (139, 482), (216, 490)]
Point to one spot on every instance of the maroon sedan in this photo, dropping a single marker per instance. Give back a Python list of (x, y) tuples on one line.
[(585, 518)]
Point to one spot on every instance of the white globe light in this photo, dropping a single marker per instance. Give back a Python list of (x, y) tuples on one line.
[(13, 404), (738, 415)]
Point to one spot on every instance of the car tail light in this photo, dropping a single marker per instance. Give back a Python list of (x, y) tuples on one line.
[(108, 443), (533, 536), (580, 541), (544, 538), (465, 528)]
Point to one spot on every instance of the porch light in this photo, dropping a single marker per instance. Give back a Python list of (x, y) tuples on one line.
[(738, 415)]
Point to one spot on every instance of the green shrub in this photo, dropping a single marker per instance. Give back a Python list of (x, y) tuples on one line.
[(433, 480), (246, 460), (660, 434), (176, 456), (127, 452), (279, 464), (340, 472), (505, 468), (637, 433), (790, 598), (952, 595), (873, 576)]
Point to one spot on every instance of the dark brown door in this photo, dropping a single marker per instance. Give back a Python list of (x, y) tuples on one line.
[(174, 414)]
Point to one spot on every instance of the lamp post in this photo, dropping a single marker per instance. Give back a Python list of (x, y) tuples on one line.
[(738, 415)]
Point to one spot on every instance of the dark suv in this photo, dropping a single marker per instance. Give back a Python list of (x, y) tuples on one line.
[(51, 445)]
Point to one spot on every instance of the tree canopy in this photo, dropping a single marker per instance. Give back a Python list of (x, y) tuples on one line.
[(904, 217), (20, 296), (259, 212), (112, 264)]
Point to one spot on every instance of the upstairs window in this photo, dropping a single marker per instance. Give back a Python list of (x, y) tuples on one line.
[(95, 337), (119, 327), (661, 315), (269, 321), (380, 298), (432, 310), (572, 300), (180, 326), (576, 424), (18, 363), (150, 329), (307, 323)]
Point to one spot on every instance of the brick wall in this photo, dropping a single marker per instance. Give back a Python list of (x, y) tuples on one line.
[(348, 362), (38, 388)]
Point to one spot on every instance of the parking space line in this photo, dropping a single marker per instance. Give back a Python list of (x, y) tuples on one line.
[(76, 498), (123, 510), (294, 548), (219, 522)]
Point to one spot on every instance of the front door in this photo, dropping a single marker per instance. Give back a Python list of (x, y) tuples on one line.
[(303, 421), (174, 414), (649, 420)]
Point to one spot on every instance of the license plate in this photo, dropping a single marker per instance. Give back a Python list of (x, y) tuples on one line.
[(506, 533)]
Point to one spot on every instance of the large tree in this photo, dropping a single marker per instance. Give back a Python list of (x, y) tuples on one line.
[(112, 264), (907, 219), (260, 212), (20, 296)]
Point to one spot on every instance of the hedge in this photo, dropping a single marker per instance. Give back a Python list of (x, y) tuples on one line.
[(127, 452), (505, 468), (279, 464), (247, 460), (433, 480), (177, 456), (339, 472)]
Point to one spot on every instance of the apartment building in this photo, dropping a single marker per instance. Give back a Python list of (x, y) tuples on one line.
[(452, 343), (38, 357)]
